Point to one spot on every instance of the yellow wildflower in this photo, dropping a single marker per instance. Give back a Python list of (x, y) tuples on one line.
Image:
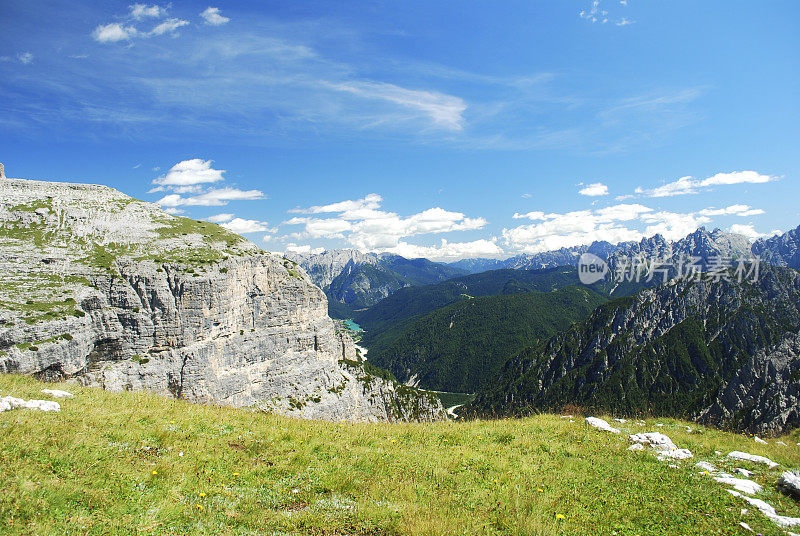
[(560, 517)]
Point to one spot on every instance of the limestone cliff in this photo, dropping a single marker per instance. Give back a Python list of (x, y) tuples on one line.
[(97, 286)]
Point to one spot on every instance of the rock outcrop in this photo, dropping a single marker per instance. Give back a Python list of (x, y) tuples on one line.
[(115, 293)]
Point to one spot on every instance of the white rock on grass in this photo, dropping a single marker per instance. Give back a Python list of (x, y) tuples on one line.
[(769, 511), (636, 446), (600, 424), (759, 440), (43, 405), (789, 483), (739, 484), (14, 402), (662, 444), (4, 406), (705, 466), (743, 472), (55, 393), (782, 443), (736, 455)]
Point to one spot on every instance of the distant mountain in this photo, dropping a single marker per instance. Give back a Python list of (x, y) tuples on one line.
[(476, 266), (782, 250), (461, 347), (725, 352), (353, 280), (324, 267), (701, 243)]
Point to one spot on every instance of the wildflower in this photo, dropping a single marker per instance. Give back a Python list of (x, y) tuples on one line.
[(202, 494), (540, 490), (155, 473), (235, 474), (560, 517), (199, 506)]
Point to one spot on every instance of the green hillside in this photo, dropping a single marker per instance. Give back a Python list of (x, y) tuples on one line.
[(409, 302), (464, 345), (132, 463)]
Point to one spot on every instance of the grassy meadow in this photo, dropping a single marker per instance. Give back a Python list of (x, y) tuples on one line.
[(137, 463)]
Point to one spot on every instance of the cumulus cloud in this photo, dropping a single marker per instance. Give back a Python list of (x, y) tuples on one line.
[(242, 226), (25, 57), (364, 225), (187, 183), (141, 11), (733, 210), (746, 230), (448, 251), (213, 17), (191, 172), (220, 218), (690, 185), (168, 26), (294, 248), (211, 198), (111, 33), (617, 223), (594, 190)]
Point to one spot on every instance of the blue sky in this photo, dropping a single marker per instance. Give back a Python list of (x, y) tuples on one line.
[(443, 129)]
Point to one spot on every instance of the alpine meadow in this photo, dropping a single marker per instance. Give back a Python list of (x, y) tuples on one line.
[(528, 268)]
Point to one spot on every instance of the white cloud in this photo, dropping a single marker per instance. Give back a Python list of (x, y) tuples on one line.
[(448, 251), (624, 21), (213, 17), (349, 209), (594, 190), (220, 218), (25, 57), (242, 226), (746, 230), (446, 111), (690, 185), (294, 248), (111, 33), (191, 172), (594, 13), (140, 11), (168, 26), (174, 211), (554, 231), (365, 226), (212, 198), (733, 210), (526, 196)]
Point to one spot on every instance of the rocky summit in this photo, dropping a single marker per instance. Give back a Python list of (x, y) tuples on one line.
[(114, 292)]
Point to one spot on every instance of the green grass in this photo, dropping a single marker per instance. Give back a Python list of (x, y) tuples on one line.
[(110, 464)]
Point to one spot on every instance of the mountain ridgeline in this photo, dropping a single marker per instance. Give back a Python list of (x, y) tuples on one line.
[(724, 352)]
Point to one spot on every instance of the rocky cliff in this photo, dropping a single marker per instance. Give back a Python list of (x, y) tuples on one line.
[(97, 286)]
